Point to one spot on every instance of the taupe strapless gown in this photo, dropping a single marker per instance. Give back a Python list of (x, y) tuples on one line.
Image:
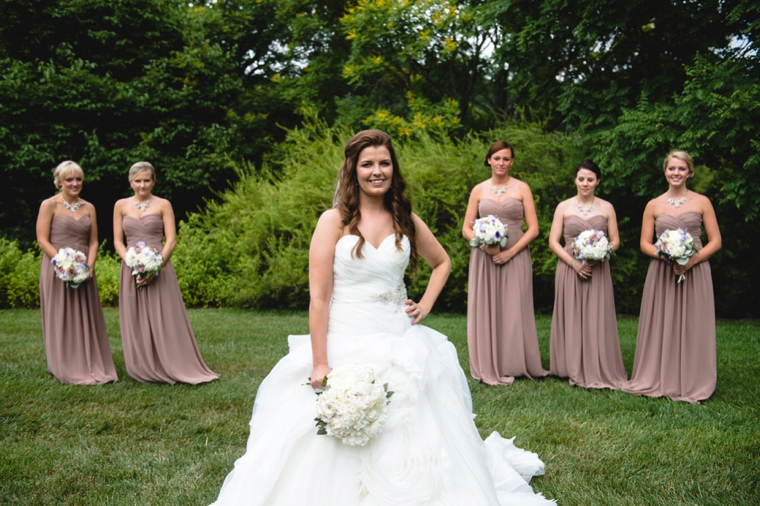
[(159, 344), (675, 348), (501, 324), (73, 327), (584, 344)]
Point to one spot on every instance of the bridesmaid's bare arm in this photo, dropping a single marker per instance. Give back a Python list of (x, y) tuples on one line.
[(647, 231), (170, 229), (613, 235), (118, 231), (471, 214), (92, 245), (714, 239), (44, 222)]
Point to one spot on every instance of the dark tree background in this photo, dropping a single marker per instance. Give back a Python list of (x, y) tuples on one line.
[(201, 90)]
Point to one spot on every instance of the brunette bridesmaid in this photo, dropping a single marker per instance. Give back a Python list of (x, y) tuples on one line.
[(73, 327), (584, 344), (159, 344), (675, 349), (501, 325)]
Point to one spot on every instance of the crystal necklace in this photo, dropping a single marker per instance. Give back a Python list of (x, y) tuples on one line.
[(585, 210), (499, 191), (677, 203), (142, 207), (72, 208)]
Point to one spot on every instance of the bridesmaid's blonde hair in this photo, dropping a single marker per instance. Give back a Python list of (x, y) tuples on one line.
[(680, 155), (139, 167), (64, 170)]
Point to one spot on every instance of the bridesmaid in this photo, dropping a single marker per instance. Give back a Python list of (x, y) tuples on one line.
[(675, 348), (73, 327), (159, 344), (584, 343), (501, 325)]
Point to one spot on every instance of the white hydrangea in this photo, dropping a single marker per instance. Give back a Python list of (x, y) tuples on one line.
[(676, 246), (591, 245), (71, 266), (143, 260), (353, 405), (489, 231)]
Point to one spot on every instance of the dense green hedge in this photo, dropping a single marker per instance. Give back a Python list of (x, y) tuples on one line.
[(251, 249)]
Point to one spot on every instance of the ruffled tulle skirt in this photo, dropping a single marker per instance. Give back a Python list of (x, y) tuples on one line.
[(428, 453)]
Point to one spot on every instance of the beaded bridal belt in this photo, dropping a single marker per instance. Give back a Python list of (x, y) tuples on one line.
[(397, 297)]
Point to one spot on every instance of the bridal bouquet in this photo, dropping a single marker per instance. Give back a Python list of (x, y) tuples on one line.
[(489, 231), (71, 267), (590, 246), (676, 246), (143, 260), (352, 405)]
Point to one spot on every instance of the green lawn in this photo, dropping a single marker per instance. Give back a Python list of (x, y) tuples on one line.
[(132, 443)]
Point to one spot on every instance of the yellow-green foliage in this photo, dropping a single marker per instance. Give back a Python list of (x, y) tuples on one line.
[(251, 249), (19, 276), (107, 269)]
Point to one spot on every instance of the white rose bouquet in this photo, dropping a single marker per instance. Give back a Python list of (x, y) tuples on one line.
[(489, 231), (143, 260), (71, 267), (676, 246), (591, 246), (352, 405)]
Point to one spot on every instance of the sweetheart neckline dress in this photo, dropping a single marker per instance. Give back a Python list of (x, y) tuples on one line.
[(159, 343), (73, 326), (675, 346), (429, 451), (584, 344), (501, 324)]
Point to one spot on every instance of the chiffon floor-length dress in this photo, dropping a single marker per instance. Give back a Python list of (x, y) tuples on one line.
[(159, 344), (584, 344), (501, 324), (76, 342), (675, 348), (429, 451)]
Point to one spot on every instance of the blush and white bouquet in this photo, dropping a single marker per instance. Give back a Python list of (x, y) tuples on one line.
[(489, 231), (676, 246), (591, 246), (352, 405), (143, 260), (71, 267)]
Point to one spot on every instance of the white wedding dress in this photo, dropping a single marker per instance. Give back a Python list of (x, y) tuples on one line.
[(429, 451)]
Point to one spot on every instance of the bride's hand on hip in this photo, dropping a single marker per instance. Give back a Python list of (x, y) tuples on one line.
[(318, 375), (416, 311)]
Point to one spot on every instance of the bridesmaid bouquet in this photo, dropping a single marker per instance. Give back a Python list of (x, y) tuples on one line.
[(489, 231), (676, 246), (352, 405), (144, 260), (71, 267), (591, 246)]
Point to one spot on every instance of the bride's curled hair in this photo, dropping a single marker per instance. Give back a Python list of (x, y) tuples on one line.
[(396, 202)]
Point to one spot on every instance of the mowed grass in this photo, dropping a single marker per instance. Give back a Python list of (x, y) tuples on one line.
[(151, 444)]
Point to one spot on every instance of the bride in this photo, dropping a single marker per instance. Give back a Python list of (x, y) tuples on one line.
[(429, 451)]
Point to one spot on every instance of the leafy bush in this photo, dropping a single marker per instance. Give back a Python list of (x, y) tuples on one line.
[(107, 269), (23, 281), (251, 248)]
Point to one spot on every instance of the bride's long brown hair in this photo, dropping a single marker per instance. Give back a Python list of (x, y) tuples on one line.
[(395, 201)]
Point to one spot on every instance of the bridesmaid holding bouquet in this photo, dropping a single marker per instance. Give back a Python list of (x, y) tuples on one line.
[(675, 348), (73, 327), (584, 344), (501, 324), (159, 344)]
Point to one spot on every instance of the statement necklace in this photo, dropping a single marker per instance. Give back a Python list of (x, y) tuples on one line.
[(72, 208), (585, 210), (499, 191), (677, 203), (142, 207)]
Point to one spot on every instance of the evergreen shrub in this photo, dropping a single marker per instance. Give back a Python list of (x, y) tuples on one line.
[(250, 249)]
